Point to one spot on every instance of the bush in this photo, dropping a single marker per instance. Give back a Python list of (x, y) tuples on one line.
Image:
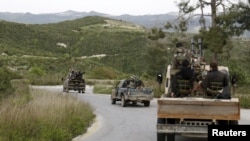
[(103, 73), (5, 82), (103, 89), (244, 101)]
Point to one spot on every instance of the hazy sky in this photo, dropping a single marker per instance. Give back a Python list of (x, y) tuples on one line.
[(114, 7)]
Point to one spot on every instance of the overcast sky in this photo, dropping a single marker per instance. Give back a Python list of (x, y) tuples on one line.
[(113, 7)]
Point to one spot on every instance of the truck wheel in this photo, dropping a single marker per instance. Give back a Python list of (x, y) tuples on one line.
[(146, 103), (79, 91), (223, 122), (233, 122), (170, 137), (123, 102), (113, 100), (161, 136), (134, 102)]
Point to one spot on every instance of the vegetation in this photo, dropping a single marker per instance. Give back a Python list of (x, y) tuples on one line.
[(5, 82), (244, 101), (54, 116), (219, 39), (67, 43), (103, 89), (123, 49)]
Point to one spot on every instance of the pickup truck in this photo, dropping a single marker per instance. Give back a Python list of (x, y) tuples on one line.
[(191, 113), (74, 81), (126, 92)]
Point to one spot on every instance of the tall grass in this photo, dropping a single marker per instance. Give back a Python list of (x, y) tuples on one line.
[(103, 89), (245, 101), (45, 117), (47, 79)]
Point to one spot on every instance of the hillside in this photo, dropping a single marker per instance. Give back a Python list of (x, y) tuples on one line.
[(120, 46), (123, 44), (80, 37), (147, 21)]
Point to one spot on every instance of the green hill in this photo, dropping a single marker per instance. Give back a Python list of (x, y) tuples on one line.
[(81, 37), (122, 48), (123, 44)]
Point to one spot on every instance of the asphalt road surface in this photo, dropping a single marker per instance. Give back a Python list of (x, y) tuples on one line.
[(131, 123)]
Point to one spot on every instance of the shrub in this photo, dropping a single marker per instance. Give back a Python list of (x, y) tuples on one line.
[(103, 73), (5, 82)]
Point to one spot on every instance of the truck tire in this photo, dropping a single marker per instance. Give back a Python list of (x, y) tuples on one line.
[(66, 89), (113, 100), (161, 136), (170, 137), (123, 101), (146, 103), (233, 122), (134, 102)]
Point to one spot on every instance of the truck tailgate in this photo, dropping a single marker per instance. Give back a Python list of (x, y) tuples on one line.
[(141, 94), (141, 91), (199, 108)]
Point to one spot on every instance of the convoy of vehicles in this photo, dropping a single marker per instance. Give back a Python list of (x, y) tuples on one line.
[(187, 115)]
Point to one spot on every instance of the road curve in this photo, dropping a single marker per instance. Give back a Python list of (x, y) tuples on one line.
[(131, 123)]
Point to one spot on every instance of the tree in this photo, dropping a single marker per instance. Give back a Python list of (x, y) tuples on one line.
[(156, 34), (215, 37), (6, 76), (236, 19), (157, 58)]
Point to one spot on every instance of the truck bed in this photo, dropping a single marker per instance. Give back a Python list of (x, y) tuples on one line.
[(199, 108), (141, 94)]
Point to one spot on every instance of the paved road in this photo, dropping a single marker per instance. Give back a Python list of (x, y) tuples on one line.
[(132, 123)]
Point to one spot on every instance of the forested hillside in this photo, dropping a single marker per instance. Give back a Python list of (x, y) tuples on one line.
[(123, 44), (49, 49), (86, 36)]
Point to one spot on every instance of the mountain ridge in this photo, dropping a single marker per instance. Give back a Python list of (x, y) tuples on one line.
[(147, 20)]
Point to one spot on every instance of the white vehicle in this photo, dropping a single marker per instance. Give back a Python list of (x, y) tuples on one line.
[(191, 114)]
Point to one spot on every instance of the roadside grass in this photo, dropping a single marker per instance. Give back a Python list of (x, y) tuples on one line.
[(43, 115), (101, 86), (242, 92), (103, 89), (242, 89), (47, 79), (244, 101)]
